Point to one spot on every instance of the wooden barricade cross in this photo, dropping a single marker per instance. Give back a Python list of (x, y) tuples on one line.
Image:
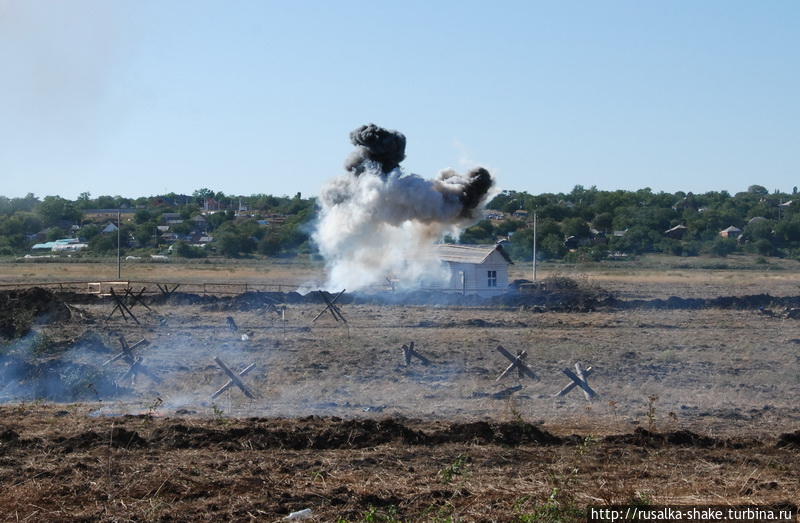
[(136, 368), (121, 307), (231, 383), (331, 307), (409, 352), (234, 379), (127, 351), (517, 362), (580, 378), (134, 362), (135, 298), (165, 290)]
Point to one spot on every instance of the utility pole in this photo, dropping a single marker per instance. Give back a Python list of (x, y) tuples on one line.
[(119, 260), (534, 246)]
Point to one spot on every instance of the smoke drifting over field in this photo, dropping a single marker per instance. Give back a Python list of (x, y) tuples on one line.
[(378, 221)]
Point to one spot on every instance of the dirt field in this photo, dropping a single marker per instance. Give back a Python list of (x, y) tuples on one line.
[(695, 406), (646, 277)]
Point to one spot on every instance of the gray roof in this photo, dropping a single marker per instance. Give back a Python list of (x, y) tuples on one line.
[(468, 253)]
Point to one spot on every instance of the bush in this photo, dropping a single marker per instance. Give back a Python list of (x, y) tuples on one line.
[(184, 250), (763, 247), (723, 247)]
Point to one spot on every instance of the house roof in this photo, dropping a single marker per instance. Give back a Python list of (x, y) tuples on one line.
[(731, 229), (676, 228), (468, 253)]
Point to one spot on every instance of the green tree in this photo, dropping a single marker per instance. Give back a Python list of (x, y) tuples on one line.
[(575, 227), (480, 233), (143, 216), (54, 209), (552, 247), (270, 245), (103, 243)]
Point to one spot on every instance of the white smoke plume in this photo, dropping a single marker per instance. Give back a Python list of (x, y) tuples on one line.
[(377, 221)]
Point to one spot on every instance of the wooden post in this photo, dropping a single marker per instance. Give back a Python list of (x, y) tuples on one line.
[(283, 320), (119, 259)]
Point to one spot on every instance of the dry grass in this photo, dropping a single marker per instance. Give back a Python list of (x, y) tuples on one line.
[(294, 271), (731, 374)]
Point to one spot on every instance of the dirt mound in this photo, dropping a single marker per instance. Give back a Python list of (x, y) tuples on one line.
[(512, 433), (790, 440), (682, 438), (118, 438), (318, 433), (240, 302), (755, 301), (21, 309), (345, 434)]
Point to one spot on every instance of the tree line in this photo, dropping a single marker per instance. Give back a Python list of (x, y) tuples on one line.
[(239, 225), (584, 224), (590, 224)]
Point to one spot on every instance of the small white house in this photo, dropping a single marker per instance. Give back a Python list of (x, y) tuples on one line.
[(476, 269)]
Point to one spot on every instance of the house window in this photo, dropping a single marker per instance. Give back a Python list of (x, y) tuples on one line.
[(492, 278)]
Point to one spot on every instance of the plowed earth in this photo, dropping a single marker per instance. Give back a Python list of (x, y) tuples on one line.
[(59, 463)]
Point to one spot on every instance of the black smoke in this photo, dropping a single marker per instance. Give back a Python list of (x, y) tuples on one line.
[(375, 144), (381, 150), (480, 181)]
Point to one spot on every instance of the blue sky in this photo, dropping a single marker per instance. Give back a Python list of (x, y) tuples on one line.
[(146, 97)]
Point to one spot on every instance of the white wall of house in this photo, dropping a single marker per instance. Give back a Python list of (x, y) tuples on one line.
[(476, 276)]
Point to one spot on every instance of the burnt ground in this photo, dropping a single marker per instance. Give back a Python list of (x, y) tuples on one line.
[(58, 462), (697, 405)]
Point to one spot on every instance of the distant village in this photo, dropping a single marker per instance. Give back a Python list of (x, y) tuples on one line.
[(190, 226), (582, 225)]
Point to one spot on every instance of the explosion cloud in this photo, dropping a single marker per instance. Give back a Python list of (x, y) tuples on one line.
[(378, 221)]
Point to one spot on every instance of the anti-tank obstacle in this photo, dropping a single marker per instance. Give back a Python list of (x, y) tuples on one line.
[(127, 350), (135, 365), (166, 291), (235, 379), (121, 307), (580, 378), (517, 362), (331, 307), (409, 352)]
